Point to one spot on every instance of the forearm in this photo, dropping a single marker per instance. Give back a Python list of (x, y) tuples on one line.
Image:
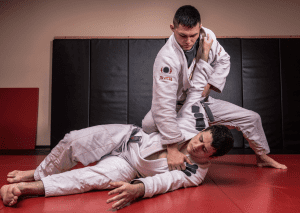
[(170, 181), (172, 147), (213, 56), (164, 115), (204, 55), (164, 100), (221, 67)]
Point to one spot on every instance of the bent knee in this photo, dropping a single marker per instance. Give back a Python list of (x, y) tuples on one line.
[(253, 117), (148, 127), (148, 124)]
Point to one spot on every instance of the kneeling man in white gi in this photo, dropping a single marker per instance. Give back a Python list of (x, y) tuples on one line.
[(129, 161)]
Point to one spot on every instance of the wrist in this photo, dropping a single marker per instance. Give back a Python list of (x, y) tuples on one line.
[(141, 189), (204, 57), (172, 147)]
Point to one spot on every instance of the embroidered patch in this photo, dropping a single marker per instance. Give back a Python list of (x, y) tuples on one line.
[(199, 128), (198, 115), (195, 109), (165, 78), (190, 169), (135, 138), (200, 122), (166, 70)]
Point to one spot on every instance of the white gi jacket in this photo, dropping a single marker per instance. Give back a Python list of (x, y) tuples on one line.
[(171, 81), (105, 143), (156, 176)]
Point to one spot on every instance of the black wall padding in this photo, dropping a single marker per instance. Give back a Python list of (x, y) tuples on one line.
[(70, 87), (109, 81), (104, 81), (290, 72), (261, 85), (142, 53), (232, 91)]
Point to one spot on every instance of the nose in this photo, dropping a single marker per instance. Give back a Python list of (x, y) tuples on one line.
[(188, 41)]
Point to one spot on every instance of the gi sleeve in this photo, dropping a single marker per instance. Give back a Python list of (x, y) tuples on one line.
[(166, 73), (218, 63), (172, 180)]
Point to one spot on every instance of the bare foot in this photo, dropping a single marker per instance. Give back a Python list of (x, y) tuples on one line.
[(266, 161), (20, 176), (10, 194)]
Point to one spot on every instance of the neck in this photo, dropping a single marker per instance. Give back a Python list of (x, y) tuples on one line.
[(182, 147)]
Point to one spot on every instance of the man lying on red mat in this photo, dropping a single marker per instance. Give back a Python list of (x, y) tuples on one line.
[(131, 163)]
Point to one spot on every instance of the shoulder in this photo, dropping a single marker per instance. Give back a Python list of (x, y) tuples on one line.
[(169, 54)]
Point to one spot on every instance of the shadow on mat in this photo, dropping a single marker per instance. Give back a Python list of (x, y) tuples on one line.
[(234, 164)]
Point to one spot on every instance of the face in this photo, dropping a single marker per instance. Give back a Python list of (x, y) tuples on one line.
[(186, 36), (200, 148)]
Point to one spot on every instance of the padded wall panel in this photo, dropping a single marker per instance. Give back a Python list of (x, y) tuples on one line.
[(261, 85), (290, 72), (109, 81), (142, 54), (70, 87), (233, 90), (18, 117)]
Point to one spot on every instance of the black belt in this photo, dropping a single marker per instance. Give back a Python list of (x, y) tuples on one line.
[(207, 109), (205, 106)]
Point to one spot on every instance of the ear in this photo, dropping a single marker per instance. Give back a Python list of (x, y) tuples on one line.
[(172, 27), (200, 26)]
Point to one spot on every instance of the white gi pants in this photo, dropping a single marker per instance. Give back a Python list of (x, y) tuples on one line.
[(86, 146), (232, 116), (244, 120)]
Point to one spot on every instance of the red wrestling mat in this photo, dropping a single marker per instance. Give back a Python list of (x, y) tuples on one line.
[(18, 117), (233, 184)]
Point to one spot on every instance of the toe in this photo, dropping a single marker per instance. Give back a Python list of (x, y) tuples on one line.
[(14, 180), (10, 180)]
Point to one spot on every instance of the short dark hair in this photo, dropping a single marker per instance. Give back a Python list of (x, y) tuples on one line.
[(187, 15), (222, 139)]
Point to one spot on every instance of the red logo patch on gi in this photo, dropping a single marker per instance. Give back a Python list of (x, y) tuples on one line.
[(166, 70), (165, 78)]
